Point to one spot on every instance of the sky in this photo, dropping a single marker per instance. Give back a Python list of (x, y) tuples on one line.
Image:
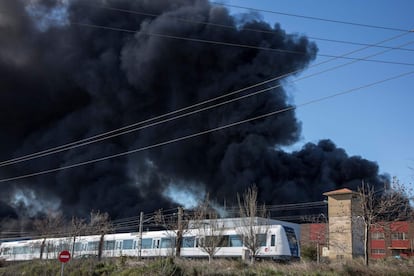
[(376, 122)]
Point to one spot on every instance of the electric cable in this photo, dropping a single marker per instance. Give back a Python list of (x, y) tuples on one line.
[(186, 20), (113, 133), (190, 136), (314, 18), (231, 44)]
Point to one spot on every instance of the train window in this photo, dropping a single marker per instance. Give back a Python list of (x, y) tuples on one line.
[(291, 237), (93, 246), (167, 243), (21, 250), (225, 241), (235, 241), (35, 249), (16, 250), (49, 247), (261, 239), (272, 240), (109, 245), (188, 242), (59, 247), (127, 244), (214, 241), (78, 246), (146, 243), (156, 243)]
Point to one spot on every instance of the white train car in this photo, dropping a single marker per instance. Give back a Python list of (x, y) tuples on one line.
[(278, 240)]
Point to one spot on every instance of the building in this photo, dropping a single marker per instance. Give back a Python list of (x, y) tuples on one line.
[(395, 239), (346, 231), (342, 237), (315, 235)]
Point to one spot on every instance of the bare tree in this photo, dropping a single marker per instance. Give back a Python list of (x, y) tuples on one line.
[(252, 234), (380, 209), (100, 224), (48, 227), (209, 229), (77, 228), (176, 225)]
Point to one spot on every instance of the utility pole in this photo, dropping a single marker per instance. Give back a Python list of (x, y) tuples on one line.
[(179, 232), (141, 221)]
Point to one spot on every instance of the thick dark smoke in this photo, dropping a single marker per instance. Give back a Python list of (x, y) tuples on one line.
[(62, 81)]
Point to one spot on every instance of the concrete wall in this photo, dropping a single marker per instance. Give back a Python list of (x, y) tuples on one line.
[(346, 231)]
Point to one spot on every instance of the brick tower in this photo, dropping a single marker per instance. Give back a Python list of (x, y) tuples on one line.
[(346, 230)]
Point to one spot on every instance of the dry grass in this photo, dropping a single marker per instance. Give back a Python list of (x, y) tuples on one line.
[(175, 267), (232, 267)]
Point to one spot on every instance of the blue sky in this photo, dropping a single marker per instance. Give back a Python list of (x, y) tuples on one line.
[(375, 123)]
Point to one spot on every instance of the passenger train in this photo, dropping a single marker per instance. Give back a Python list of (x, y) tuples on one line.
[(278, 240)]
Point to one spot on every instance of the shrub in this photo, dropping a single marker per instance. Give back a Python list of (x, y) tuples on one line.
[(123, 260), (104, 269), (308, 253)]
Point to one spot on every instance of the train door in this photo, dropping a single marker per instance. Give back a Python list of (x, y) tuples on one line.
[(84, 246), (271, 247), (118, 247), (156, 244)]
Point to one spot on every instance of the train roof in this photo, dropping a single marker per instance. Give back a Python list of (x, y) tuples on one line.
[(237, 222)]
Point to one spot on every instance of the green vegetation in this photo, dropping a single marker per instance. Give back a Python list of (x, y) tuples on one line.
[(169, 266), (309, 253)]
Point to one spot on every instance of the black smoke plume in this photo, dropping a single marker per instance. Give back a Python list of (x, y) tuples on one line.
[(64, 79)]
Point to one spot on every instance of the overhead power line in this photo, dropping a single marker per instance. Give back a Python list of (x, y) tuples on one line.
[(314, 18), (133, 127), (272, 207), (231, 44), (198, 134), (131, 224), (231, 27)]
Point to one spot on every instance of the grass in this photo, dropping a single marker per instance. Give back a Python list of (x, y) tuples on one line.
[(175, 267)]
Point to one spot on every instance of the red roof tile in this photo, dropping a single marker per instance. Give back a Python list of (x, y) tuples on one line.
[(339, 192)]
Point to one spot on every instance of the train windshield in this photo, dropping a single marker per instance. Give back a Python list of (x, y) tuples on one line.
[(293, 242)]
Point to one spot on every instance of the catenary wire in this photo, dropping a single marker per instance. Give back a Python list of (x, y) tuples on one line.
[(225, 43), (131, 223), (275, 207), (186, 20), (222, 43), (314, 18)]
